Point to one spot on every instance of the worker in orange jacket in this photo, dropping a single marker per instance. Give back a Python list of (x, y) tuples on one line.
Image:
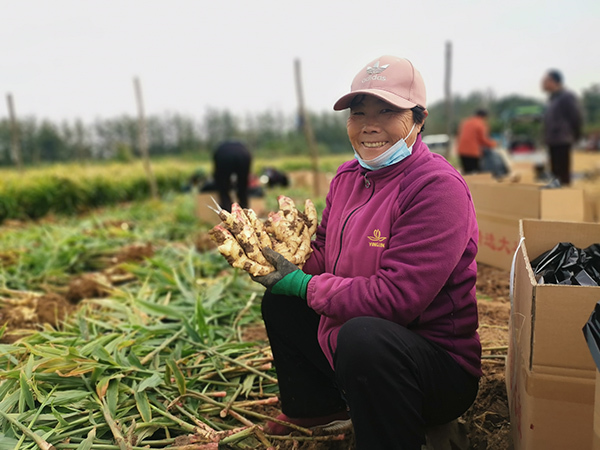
[(473, 137)]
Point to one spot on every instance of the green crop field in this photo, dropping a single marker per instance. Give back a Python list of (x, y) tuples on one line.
[(72, 188), (123, 329)]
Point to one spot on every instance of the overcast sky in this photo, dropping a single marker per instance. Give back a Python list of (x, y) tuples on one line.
[(63, 59)]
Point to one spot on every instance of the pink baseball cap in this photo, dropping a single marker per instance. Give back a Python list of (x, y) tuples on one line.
[(392, 79)]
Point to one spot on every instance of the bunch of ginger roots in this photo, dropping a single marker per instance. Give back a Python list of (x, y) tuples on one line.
[(242, 235)]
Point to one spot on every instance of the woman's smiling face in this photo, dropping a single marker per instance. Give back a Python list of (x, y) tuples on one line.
[(374, 126)]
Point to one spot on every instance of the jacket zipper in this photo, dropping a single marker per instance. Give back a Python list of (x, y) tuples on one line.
[(368, 184)]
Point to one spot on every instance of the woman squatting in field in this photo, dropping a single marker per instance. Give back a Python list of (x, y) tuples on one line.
[(380, 325)]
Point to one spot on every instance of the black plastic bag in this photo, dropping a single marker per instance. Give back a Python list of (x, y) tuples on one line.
[(591, 332), (568, 265)]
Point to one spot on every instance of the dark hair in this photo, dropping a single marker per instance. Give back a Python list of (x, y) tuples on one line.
[(481, 112), (357, 99), (419, 116), (555, 75)]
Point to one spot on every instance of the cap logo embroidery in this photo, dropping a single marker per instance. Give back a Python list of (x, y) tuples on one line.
[(374, 72), (376, 68), (376, 239)]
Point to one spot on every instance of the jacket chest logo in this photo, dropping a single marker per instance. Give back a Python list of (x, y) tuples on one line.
[(376, 239)]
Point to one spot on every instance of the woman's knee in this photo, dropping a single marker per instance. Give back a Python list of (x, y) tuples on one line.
[(364, 341), (358, 339)]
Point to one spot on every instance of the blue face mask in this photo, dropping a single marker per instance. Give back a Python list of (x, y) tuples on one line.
[(392, 155)]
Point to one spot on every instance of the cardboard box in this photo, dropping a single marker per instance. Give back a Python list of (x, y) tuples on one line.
[(550, 374), (500, 206), (591, 196), (524, 171), (304, 179), (585, 161), (592, 204), (589, 208), (485, 177), (207, 215)]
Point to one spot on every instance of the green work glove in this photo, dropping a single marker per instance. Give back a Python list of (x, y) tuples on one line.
[(287, 278)]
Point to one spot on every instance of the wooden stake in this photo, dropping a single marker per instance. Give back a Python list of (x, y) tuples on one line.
[(143, 138), (307, 128), (15, 148), (448, 89)]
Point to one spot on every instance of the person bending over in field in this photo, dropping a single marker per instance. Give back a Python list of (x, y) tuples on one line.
[(380, 326), (232, 158)]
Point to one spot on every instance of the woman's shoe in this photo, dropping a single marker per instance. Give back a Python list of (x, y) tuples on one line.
[(334, 423)]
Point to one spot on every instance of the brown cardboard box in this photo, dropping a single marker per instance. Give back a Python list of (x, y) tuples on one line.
[(583, 161), (550, 374), (524, 171), (589, 207), (500, 206), (592, 204), (207, 215), (485, 177), (591, 197), (304, 179)]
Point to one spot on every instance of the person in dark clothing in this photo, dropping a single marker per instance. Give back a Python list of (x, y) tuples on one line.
[(562, 125), (232, 158)]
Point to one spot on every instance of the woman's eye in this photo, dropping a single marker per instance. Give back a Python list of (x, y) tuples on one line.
[(357, 113)]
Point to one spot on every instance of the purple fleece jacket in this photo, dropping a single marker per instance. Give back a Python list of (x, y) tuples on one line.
[(399, 243)]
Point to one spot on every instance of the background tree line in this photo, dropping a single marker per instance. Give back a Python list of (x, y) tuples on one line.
[(267, 133)]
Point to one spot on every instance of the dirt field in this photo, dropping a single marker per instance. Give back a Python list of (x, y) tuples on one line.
[(487, 421)]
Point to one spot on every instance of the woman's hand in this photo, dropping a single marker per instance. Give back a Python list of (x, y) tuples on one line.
[(282, 268), (287, 279)]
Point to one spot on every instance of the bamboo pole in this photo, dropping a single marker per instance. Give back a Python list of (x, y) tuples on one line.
[(80, 139), (15, 148), (307, 128), (448, 92), (143, 138)]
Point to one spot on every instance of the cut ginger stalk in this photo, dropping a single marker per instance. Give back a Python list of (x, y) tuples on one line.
[(311, 214), (246, 236), (304, 249), (229, 247), (259, 228), (283, 232)]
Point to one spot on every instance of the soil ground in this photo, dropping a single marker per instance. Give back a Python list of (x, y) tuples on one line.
[(487, 421)]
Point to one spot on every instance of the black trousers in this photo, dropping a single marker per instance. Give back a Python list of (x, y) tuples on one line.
[(560, 163), (394, 382), (232, 159), (470, 164)]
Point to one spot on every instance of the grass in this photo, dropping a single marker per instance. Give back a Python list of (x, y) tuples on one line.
[(67, 189), (140, 362), (161, 357)]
